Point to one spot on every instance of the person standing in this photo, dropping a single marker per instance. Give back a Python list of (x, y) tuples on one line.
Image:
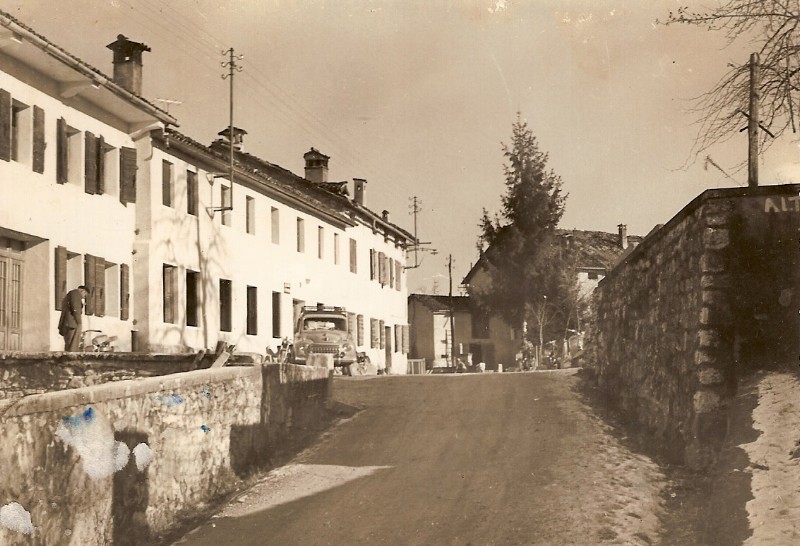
[(69, 325)]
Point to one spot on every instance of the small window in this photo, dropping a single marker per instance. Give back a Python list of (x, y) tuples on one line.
[(252, 311), (320, 242), (301, 235), (336, 249), (169, 292), (276, 314), (250, 215), (225, 305), (225, 202), (166, 184), (192, 297), (192, 196), (275, 219)]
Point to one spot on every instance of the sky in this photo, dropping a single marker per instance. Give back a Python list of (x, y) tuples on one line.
[(417, 97)]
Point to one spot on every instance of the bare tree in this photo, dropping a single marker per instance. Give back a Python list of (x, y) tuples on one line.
[(772, 26)]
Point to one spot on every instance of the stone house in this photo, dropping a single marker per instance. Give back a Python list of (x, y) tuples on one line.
[(177, 257)]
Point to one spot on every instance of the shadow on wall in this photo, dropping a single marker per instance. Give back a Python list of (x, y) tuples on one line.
[(130, 496), (287, 406)]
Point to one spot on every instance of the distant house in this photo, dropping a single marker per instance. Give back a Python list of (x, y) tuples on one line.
[(478, 338), (490, 339)]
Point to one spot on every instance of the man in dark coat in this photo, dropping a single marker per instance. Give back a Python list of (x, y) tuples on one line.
[(69, 325)]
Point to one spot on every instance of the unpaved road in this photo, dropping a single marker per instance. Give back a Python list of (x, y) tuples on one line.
[(459, 459)]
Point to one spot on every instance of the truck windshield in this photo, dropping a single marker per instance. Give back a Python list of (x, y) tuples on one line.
[(325, 323)]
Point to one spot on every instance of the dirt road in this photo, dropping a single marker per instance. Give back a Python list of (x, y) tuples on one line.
[(458, 459)]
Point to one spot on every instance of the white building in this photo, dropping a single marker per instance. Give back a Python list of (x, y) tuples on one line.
[(98, 189)]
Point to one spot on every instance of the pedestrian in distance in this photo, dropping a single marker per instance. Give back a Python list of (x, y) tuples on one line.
[(69, 325)]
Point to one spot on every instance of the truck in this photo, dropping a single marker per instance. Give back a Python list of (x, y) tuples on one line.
[(323, 330)]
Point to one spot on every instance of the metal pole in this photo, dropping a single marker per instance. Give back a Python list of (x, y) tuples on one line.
[(232, 67), (452, 312), (752, 123)]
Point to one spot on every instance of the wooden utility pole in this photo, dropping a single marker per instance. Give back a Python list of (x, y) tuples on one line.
[(452, 311), (752, 122)]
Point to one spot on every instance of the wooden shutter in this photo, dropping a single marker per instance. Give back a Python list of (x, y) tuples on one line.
[(60, 275), (5, 125), (169, 293), (374, 335), (351, 324), (124, 292), (38, 140), (127, 179), (406, 339), (391, 273), (90, 156), (382, 267), (353, 257), (89, 273), (398, 275), (62, 152), (382, 333), (360, 328), (100, 183), (398, 338), (100, 287), (371, 264)]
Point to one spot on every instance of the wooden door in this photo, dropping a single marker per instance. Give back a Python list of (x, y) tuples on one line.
[(10, 303)]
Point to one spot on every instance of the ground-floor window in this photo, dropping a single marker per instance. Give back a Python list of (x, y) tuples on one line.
[(225, 304)]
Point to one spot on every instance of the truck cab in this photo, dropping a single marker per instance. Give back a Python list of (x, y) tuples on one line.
[(323, 330)]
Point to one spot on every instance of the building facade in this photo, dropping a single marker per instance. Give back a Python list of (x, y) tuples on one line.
[(100, 189)]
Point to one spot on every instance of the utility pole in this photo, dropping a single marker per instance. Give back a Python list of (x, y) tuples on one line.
[(752, 122), (415, 208), (233, 68), (452, 312)]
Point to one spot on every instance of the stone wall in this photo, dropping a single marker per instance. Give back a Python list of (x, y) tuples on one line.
[(206, 429), (711, 293)]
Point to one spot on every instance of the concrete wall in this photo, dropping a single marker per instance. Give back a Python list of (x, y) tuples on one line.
[(711, 293), (225, 422)]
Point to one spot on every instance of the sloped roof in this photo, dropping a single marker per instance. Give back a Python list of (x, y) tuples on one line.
[(436, 302)]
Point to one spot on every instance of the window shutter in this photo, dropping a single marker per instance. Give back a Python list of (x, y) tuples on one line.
[(90, 156), (353, 257), (124, 292), (398, 338), (38, 140), (60, 275), (398, 275), (100, 287), (382, 267), (89, 272), (100, 182), (360, 327), (391, 273), (371, 264), (5, 125), (374, 336), (62, 152), (406, 339), (382, 334), (351, 324), (127, 169)]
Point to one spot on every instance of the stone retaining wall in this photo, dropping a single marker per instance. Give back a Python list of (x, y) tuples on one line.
[(206, 429), (711, 293)]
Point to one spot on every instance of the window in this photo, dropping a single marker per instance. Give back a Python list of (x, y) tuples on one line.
[(169, 293), (360, 330), (225, 304), (94, 164), (127, 175), (94, 277), (110, 170), (192, 297), (353, 257), (336, 249), (112, 287), (480, 325), (320, 242), (252, 311), (21, 132), (166, 184), (192, 195), (275, 218), (250, 215), (276, 314), (225, 201), (301, 235), (593, 275)]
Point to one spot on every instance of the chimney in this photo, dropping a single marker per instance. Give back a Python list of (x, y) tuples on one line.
[(385, 215), (359, 189), (238, 138), (316, 166), (128, 63), (623, 236)]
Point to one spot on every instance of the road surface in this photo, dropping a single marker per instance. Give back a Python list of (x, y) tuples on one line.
[(515, 458)]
